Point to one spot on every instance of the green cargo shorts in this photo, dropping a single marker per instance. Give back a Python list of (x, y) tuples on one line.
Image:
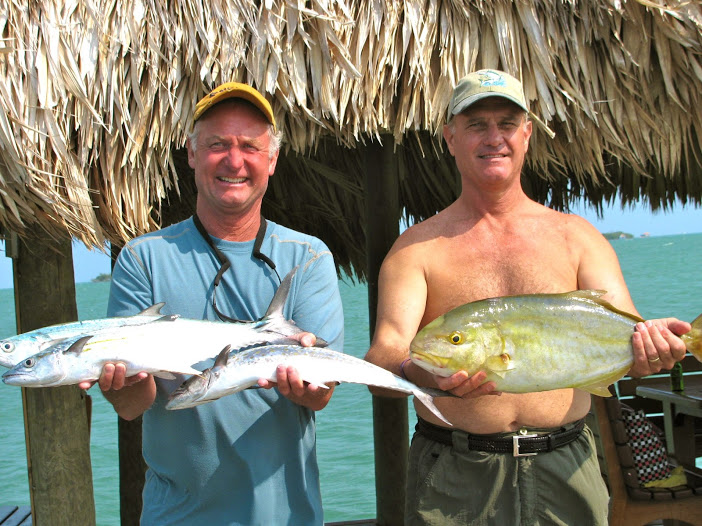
[(450, 485)]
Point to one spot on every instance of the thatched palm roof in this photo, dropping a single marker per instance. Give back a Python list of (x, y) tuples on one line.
[(97, 96)]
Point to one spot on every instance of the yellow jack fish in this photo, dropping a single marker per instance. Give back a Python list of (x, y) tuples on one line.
[(536, 342)]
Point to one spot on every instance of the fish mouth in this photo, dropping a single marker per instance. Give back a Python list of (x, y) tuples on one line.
[(435, 362), (22, 380), (182, 400), (8, 376), (189, 393)]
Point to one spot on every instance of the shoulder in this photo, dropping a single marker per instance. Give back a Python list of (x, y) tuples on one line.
[(577, 229), (289, 240), (422, 235), (165, 244), (178, 232), (282, 233)]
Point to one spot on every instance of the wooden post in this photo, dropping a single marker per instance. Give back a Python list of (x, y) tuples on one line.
[(57, 427), (132, 470), (132, 467), (390, 420)]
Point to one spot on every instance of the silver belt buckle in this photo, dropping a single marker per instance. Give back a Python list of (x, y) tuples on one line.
[(515, 443)]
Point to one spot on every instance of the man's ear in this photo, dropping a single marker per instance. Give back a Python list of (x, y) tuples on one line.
[(448, 136), (272, 164), (191, 154), (527, 134)]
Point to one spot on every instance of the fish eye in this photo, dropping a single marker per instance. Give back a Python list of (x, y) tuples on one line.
[(29, 362), (456, 338), (8, 346)]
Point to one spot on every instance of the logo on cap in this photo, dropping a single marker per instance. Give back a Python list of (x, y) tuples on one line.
[(492, 78)]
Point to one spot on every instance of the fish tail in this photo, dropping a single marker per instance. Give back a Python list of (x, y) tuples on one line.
[(428, 401), (693, 339)]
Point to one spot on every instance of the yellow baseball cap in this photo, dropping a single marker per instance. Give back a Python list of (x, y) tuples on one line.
[(234, 90), (482, 84)]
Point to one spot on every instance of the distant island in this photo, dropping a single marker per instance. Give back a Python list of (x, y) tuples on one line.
[(618, 235), (101, 277)]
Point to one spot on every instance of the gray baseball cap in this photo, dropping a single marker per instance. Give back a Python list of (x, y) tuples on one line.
[(485, 83)]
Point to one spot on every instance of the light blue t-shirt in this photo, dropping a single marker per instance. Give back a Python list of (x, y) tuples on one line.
[(247, 458)]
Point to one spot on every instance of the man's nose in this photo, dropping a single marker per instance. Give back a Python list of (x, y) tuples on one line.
[(234, 156), (493, 135)]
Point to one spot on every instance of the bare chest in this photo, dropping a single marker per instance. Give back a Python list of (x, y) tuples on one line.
[(473, 268)]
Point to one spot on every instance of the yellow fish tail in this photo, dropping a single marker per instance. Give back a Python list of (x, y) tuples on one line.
[(693, 339)]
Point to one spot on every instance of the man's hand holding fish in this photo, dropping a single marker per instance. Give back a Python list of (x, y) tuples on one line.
[(114, 377), (657, 345)]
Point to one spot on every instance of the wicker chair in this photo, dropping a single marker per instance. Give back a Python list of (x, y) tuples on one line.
[(631, 504)]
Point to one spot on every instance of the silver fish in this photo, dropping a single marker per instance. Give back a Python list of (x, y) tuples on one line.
[(236, 371), (169, 345), (16, 348)]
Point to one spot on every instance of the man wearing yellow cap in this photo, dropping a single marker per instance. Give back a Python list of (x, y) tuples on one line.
[(512, 459), (247, 458)]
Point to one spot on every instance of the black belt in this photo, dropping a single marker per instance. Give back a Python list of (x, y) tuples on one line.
[(520, 444)]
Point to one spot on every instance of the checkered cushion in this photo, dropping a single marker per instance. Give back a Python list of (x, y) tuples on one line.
[(650, 456)]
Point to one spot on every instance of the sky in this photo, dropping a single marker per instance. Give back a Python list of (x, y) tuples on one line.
[(88, 264)]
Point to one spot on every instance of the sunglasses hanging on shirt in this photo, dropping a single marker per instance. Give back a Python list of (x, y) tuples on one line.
[(225, 263)]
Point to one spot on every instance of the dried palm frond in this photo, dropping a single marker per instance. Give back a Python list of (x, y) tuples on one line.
[(97, 96)]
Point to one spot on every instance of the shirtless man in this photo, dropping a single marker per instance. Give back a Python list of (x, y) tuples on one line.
[(495, 241)]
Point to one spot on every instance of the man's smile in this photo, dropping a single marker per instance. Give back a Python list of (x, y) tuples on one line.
[(233, 180)]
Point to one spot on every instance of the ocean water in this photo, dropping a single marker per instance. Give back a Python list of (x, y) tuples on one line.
[(664, 275)]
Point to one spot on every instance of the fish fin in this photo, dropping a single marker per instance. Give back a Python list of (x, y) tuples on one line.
[(596, 296), (601, 388), (590, 294), (286, 341), (168, 317), (266, 343), (262, 343), (438, 393), (693, 339), (223, 357), (428, 401), (169, 375), (604, 392), (315, 379), (280, 296), (500, 364), (154, 310), (77, 346)]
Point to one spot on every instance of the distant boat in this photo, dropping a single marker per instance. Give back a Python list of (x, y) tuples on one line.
[(645, 234)]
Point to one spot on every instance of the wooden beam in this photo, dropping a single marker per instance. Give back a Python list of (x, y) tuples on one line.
[(390, 420), (57, 427)]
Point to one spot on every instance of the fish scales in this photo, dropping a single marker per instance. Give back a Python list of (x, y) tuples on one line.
[(235, 371), (168, 345), (160, 348), (535, 342), (16, 348)]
